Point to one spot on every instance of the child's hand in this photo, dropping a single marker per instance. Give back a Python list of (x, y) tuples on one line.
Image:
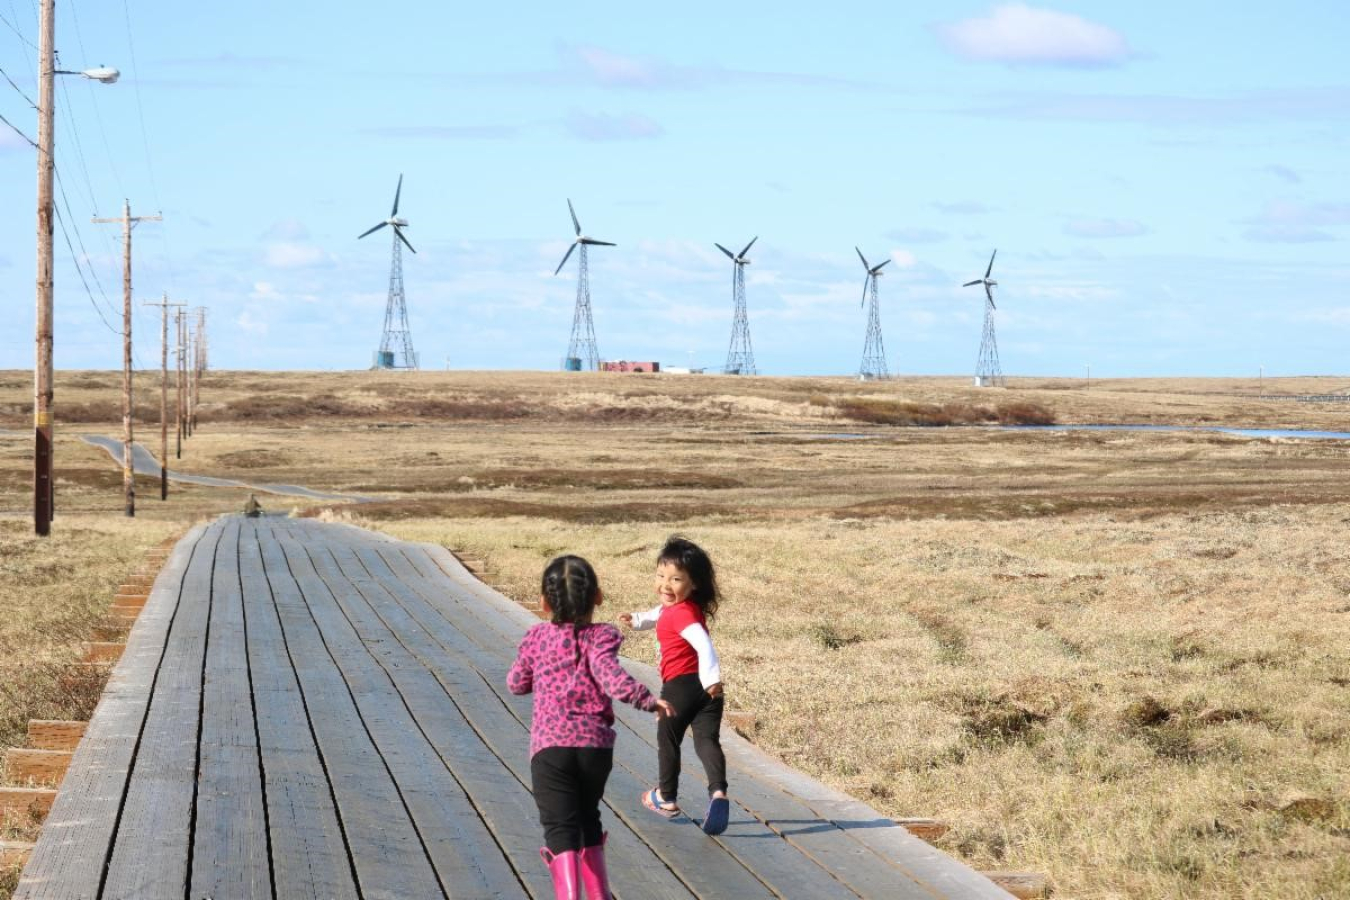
[(626, 619), (664, 710), (714, 690)]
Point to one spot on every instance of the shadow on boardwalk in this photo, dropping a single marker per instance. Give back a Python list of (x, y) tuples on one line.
[(311, 710)]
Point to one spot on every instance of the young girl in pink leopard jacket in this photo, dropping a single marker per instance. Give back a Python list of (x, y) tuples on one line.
[(572, 666)]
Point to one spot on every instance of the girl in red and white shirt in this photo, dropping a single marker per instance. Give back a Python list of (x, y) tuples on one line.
[(691, 677)]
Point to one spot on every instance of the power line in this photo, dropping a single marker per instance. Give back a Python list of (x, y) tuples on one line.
[(62, 222), (145, 140), (17, 88), (16, 30), (16, 130)]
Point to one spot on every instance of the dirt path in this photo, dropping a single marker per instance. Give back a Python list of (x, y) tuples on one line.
[(145, 464)]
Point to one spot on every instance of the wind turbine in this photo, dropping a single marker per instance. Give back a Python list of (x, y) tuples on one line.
[(987, 371), (740, 355), (874, 351), (397, 339), (582, 344)]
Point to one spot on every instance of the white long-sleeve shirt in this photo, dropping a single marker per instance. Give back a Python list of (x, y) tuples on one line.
[(709, 667)]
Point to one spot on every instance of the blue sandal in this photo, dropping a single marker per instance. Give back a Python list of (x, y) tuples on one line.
[(663, 808), (719, 811)]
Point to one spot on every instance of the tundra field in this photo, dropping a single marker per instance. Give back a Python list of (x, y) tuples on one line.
[(1120, 659)]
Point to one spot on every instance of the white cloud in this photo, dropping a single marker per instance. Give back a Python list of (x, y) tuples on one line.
[(903, 258), (287, 230), (963, 208), (290, 255), (249, 324), (917, 235), (1284, 222), (606, 127), (1104, 228), (1015, 33)]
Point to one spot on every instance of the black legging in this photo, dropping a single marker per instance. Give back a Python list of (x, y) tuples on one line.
[(568, 785), (693, 707)]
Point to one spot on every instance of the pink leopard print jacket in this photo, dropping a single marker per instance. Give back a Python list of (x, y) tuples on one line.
[(573, 671)]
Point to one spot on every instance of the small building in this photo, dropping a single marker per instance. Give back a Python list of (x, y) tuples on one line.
[(624, 365)]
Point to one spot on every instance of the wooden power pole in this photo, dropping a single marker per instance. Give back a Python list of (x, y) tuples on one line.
[(164, 393), (178, 377), (198, 364), (43, 483), (128, 468)]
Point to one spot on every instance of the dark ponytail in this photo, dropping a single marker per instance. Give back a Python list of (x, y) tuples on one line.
[(571, 588)]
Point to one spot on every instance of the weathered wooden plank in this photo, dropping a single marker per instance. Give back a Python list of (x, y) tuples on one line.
[(925, 829), (109, 632), (681, 849), (45, 766), (230, 842), (1022, 885), (68, 859), (466, 858), (55, 734), (14, 853), (101, 651), (497, 795), (150, 856), (19, 801), (386, 851), (310, 858)]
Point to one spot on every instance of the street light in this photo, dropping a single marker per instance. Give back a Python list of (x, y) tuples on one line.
[(105, 74), (43, 374)]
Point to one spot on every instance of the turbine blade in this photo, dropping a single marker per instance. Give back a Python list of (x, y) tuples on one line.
[(575, 223), (371, 231), (864, 259), (866, 281), (969, 283), (598, 243), (991, 263), (398, 190), (731, 256), (398, 232), (564, 259), (749, 245), (881, 266), (988, 292)]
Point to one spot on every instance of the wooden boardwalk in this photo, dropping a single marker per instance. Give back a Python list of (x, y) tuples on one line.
[(315, 711)]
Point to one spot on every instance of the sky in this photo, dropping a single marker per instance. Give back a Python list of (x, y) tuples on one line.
[(1165, 183)]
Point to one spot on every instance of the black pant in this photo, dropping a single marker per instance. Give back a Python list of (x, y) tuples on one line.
[(693, 707), (568, 785)]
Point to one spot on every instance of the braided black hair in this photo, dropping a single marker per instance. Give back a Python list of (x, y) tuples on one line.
[(695, 562), (571, 588)]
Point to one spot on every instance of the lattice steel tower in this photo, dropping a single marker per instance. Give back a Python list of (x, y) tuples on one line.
[(740, 355), (581, 348), (873, 367), (987, 370), (396, 348)]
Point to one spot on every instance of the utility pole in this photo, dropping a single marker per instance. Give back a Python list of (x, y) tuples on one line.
[(164, 393), (180, 357), (198, 364), (190, 375), (128, 469), (44, 492)]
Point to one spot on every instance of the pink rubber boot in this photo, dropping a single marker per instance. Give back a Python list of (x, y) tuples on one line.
[(563, 867), (594, 875)]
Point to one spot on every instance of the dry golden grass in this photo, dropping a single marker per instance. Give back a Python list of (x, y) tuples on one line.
[(1121, 659), (54, 591)]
